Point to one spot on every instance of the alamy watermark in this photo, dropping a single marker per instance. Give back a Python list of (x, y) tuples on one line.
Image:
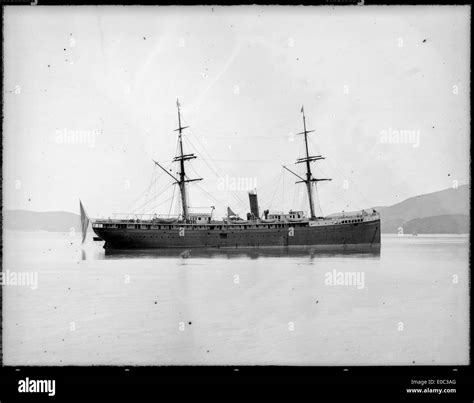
[(346, 278), (236, 183), (28, 385), (19, 278), (393, 136), (71, 136)]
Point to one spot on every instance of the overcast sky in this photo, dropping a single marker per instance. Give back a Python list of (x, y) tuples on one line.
[(90, 99)]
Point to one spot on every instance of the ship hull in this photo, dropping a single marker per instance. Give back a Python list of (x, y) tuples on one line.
[(364, 235)]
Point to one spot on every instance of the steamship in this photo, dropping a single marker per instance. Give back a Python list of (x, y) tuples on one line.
[(272, 229)]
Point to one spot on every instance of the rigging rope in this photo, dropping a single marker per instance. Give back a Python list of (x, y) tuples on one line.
[(158, 204), (153, 198), (276, 188), (172, 200), (130, 205), (342, 176), (231, 192), (216, 169), (149, 186), (211, 196)]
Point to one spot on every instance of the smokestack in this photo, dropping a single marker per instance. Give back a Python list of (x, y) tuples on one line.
[(253, 204)]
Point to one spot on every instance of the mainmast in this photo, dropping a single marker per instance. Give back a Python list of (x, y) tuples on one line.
[(309, 176), (181, 181)]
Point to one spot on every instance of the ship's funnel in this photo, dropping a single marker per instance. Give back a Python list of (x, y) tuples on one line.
[(254, 204)]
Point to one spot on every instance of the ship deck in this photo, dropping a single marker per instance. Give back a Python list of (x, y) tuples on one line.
[(222, 225)]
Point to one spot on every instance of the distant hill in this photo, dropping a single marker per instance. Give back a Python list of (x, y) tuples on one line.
[(54, 221), (441, 224), (453, 203)]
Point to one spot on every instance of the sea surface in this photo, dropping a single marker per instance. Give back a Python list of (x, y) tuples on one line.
[(407, 305)]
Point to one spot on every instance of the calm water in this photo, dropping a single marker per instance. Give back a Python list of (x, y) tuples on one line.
[(237, 307)]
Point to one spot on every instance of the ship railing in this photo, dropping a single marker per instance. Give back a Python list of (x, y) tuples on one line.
[(363, 215), (143, 217), (135, 218)]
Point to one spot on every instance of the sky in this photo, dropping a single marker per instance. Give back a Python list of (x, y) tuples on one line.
[(90, 101)]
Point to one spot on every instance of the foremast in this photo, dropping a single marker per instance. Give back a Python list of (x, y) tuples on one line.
[(182, 178), (309, 175)]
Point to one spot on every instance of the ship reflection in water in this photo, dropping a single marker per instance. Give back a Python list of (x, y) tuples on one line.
[(239, 253)]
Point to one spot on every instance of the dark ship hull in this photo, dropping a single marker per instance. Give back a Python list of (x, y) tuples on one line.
[(364, 234)]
